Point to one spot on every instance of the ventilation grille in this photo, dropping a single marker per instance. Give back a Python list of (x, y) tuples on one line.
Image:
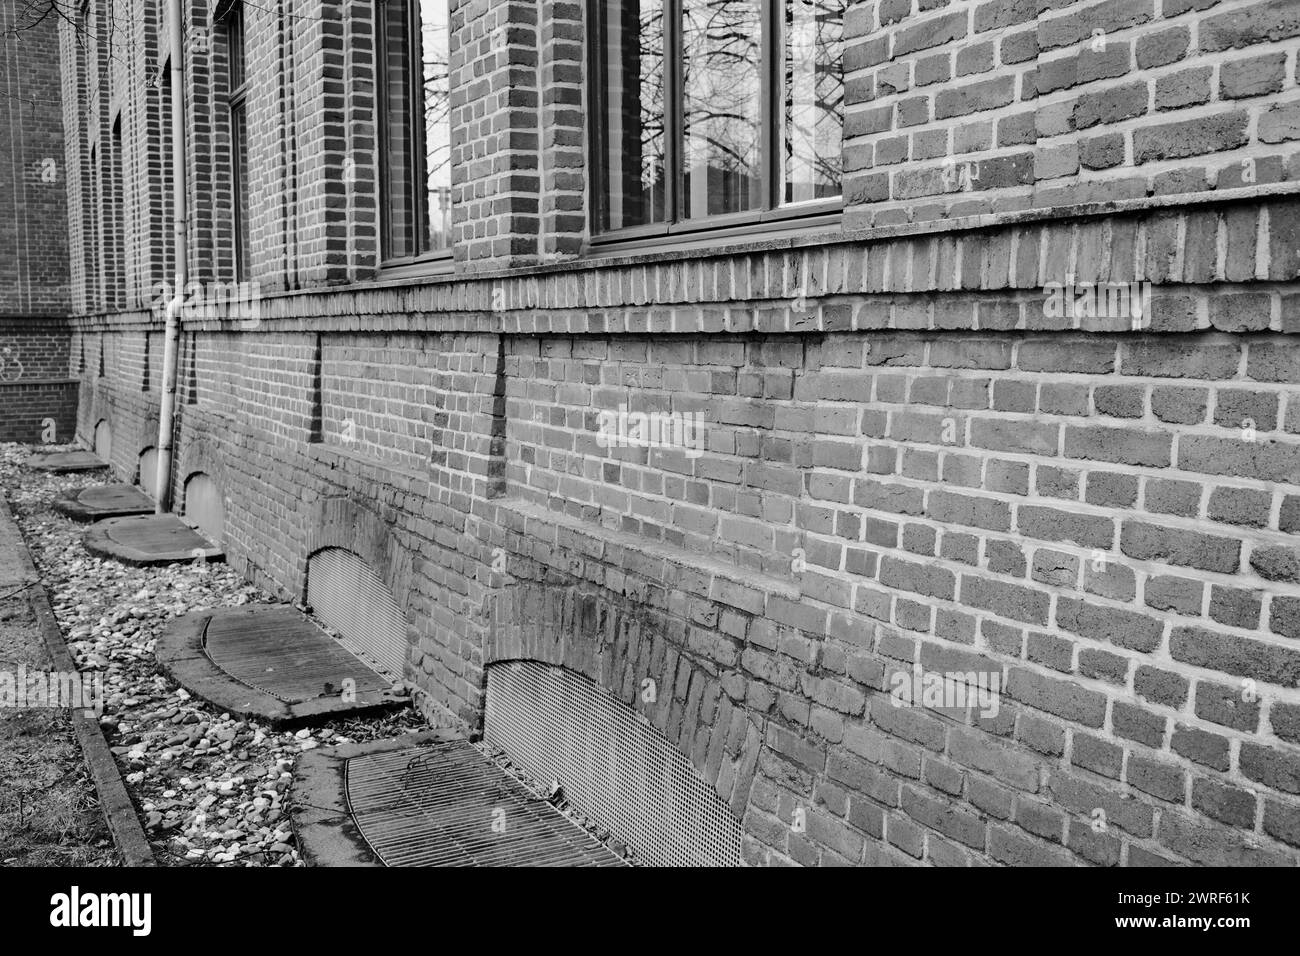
[(448, 806), (149, 472), (104, 441), (280, 652), (204, 508), (353, 602), (611, 764)]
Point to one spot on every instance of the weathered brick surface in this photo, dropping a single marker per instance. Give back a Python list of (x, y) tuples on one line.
[(38, 397), (958, 109), (908, 457)]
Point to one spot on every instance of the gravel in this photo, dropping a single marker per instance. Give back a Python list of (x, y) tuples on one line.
[(210, 789)]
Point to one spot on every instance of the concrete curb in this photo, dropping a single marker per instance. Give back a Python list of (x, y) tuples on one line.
[(114, 800)]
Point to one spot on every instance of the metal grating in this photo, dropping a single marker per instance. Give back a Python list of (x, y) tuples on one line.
[(277, 650), (204, 508), (149, 472), (104, 440), (353, 602), (611, 763), (448, 805)]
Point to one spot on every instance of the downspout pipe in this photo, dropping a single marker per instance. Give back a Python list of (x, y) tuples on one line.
[(167, 410)]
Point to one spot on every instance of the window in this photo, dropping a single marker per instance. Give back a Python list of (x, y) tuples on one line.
[(715, 112), (95, 280), (415, 129), (237, 97), (116, 231)]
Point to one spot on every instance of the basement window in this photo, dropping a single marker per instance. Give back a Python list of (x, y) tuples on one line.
[(204, 507), (103, 440), (149, 472), (610, 763), (349, 598)]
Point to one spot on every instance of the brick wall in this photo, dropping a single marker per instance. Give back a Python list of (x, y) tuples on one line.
[(38, 399), (33, 178), (966, 108), (913, 455)]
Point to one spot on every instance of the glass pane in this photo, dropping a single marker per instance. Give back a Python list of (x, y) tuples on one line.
[(239, 143), (632, 78), (435, 48), (814, 100), (397, 146), (235, 47), (722, 93)]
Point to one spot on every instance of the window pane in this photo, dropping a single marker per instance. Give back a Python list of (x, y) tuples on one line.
[(397, 147), (814, 100), (239, 146), (632, 77), (722, 94), (436, 50), (235, 47)]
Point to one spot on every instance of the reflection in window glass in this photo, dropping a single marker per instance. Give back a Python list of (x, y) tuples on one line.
[(399, 202), (415, 78), (436, 52), (722, 104), (238, 95), (631, 54), (239, 144), (813, 100)]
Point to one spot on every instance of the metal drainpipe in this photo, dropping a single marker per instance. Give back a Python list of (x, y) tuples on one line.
[(167, 410)]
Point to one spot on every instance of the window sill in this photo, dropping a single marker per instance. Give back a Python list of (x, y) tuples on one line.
[(820, 219), (433, 266)]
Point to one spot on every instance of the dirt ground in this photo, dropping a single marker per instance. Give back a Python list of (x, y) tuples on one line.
[(49, 814)]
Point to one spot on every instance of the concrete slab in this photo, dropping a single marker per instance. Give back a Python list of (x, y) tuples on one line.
[(105, 501), (149, 539), (272, 663), (67, 461), (427, 799)]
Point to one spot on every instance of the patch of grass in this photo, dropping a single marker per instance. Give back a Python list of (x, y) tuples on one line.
[(49, 812)]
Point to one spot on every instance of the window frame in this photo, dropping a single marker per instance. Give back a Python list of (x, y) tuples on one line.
[(237, 107), (431, 261), (773, 216)]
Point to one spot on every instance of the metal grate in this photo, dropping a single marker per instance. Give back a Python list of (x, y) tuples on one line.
[(204, 508), (279, 651), (149, 472), (447, 805), (104, 440), (611, 763), (353, 602)]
